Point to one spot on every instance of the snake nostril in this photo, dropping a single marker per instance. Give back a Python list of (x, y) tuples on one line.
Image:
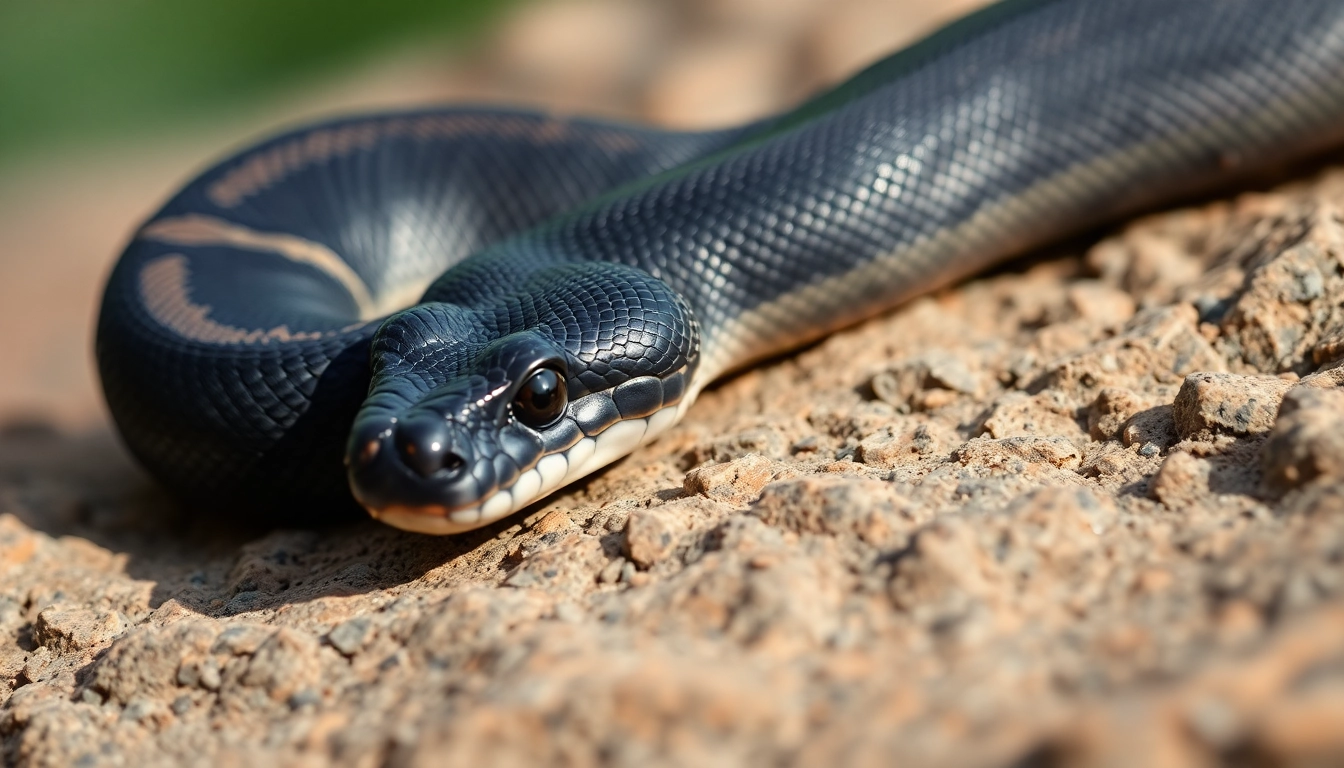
[(367, 453), (423, 446)]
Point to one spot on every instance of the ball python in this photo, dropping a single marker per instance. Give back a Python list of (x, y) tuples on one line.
[(450, 313)]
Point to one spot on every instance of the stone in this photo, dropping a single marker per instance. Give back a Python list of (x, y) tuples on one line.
[(890, 449), (1017, 453), (1108, 413), (74, 629), (1158, 345), (651, 535), (835, 506), (1019, 415), (737, 481), (349, 636), (1181, 479), (1287, 306), (567, 568), (1306, 443), (284, 664), (145, 661), (1097, 302), (1210, 404), (906, 386)]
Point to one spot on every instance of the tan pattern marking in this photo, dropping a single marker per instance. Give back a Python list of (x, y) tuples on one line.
[(163, 289), (263, 169), (195, 229)]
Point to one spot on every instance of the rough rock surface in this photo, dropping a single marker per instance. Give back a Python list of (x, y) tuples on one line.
[(1088, 511)]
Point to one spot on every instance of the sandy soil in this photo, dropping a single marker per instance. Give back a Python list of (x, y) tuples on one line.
[(1086, 511)]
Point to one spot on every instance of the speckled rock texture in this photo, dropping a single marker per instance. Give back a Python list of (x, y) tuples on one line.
[(1086, 511)]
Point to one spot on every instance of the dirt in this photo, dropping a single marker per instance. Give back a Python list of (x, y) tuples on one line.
[(1085, 511)]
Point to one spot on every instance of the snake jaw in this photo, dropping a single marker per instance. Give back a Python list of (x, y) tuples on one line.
[(552, 472), (597, 430)]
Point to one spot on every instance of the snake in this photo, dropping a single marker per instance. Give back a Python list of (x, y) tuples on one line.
[(446, 314)]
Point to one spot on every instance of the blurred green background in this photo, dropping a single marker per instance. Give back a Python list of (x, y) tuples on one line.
[(80, 70)]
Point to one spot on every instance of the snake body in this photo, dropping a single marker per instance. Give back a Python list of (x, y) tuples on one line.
[(453, 312)]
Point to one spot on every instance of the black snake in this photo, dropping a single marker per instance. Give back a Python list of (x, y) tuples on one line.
[(453, 312)]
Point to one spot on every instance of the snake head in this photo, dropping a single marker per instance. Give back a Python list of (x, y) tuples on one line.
[(474, 413)]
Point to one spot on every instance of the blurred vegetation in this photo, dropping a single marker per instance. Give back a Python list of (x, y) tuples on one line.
[(93, 69)]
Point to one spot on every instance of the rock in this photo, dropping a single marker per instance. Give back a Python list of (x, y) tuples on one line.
[(1306, 728), (1159, 345), (349, 636), (241, 639), (651, 535), (1146, 261), (1328, 377), (463, 630), (946, 577), (1020, 415), (1306, 443), (17, 543), (285, 664), (1287, 306), (1182, 479), (766, 441), (35, 666), (568, 567), (1016, 454), (835, 506), (1329, 350), (75, 629), (1152, 430), (906, 386), (1210, 404), (886, 449), (145, 662), (737, 481), (1113, 407)]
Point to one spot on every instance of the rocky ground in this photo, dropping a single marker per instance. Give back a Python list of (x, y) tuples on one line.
[(1087, 511)]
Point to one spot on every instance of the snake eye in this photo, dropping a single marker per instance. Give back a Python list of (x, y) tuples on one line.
[(541, 400)]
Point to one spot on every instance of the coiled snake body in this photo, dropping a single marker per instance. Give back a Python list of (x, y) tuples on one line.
[(453, 312)]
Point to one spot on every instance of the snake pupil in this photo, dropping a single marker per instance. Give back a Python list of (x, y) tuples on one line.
[(541, 400)]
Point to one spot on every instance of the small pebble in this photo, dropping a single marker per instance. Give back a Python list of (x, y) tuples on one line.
[(181, 705), (612, 572), (1307, 441), (349, 636), (307, 697), (651, 535)]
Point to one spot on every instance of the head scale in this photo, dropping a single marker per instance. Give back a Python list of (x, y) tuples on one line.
[(476, 411)]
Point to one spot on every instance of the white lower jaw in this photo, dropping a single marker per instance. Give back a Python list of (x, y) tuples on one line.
[(585, 457)]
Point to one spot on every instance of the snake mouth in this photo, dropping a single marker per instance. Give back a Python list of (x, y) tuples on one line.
[(553, 471)]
